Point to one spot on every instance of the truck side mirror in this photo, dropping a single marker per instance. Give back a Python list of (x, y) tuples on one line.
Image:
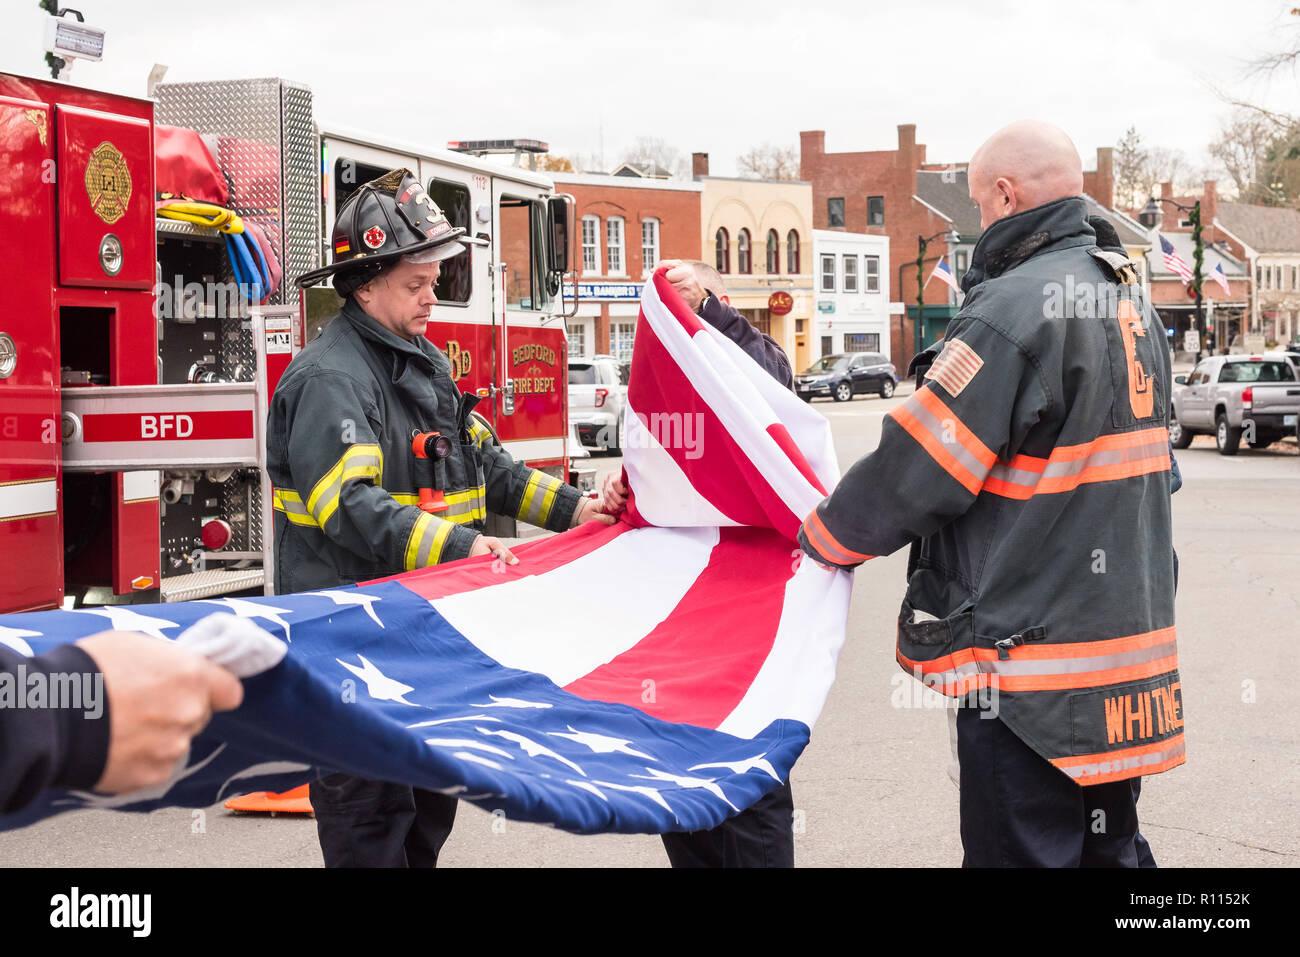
[(1180, 380), (557, 208)]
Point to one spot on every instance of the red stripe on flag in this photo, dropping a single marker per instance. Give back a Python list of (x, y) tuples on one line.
[(535, 558), (782, 438), (703, 657), (725, 476)]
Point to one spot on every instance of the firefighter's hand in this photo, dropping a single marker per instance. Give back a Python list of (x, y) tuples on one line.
[(159, 697), (487, 545), (613, 494), (687, 284), (593, 510)]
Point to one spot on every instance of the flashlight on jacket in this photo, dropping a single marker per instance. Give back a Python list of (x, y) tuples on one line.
[(431, 445)]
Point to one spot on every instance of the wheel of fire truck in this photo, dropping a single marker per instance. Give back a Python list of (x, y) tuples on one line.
[(1179, 437), (617, 447), (498, 526)]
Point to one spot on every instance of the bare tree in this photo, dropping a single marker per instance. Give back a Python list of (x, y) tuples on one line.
[(769, 161), (1241, 146), (648, 151), (1130, 159)]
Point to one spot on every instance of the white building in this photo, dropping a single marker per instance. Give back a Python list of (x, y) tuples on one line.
[(851, 288)]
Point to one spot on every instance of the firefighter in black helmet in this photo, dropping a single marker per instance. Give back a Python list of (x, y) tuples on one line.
[(356, 500)]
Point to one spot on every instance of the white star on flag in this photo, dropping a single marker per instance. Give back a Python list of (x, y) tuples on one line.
[(652, 793), (469, 743), (351, 598), (250, 609), (510, 703), (124, 619), (740, 767), (707, 784), (602, 743), (379, 685), (13, 637), (532, 747)]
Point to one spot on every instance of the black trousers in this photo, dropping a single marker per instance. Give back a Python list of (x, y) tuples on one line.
[(1019, 811), (364, 823), (762, 835)]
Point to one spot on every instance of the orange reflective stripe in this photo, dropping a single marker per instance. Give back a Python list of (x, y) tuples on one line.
[(938, 430), (1105, 459), (1089, 769), (822, 540), (1060, 666)]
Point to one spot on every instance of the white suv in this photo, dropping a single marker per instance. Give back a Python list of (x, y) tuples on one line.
[(597, 397)]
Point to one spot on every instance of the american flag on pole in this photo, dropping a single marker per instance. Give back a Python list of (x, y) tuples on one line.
[(1219, 276), (656, 675), (1173, 262), (944, 274)]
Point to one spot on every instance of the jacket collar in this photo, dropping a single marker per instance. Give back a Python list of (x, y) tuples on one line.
[(1009, 242), (420, 348)]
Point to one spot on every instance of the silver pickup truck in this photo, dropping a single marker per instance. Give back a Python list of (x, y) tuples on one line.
[(1255, 397)]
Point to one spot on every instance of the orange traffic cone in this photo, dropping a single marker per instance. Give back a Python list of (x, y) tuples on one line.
[(290, 802)]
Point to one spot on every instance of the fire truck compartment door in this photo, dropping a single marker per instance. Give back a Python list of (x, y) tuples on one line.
[(106, 200), (124, 428)]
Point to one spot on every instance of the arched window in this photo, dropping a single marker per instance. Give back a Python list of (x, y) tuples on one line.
[(743, 264), (722, 251), (792, 251), (773, 252)]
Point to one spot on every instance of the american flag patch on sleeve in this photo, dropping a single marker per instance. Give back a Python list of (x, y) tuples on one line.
[(955, 367)]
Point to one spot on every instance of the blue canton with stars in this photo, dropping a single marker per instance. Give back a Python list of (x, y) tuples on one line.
[(377, 684)]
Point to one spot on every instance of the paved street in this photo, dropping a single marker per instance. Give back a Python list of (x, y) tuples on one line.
[(872, 788)]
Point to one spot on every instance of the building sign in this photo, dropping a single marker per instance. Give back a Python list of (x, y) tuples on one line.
[(607, 291), (780, 303), (825, 305)]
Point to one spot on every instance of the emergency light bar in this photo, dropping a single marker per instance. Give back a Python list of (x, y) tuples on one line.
[(480, 147), (70, 40)]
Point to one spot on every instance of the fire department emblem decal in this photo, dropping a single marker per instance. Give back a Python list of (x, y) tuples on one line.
[(108, 182), (374, 237)]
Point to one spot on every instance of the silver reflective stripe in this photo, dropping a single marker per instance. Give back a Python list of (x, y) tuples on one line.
[(1133, 453), (1055, 666), (936, 428), (1175, 750), (427, 540), (1018, 476)]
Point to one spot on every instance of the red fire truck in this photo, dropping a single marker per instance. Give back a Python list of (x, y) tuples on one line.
[(134, 377)]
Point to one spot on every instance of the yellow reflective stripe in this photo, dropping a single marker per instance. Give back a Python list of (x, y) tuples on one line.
[(406, 498), (478, 433), (428, 537), (358, 461), (288, 501), (539, 496)]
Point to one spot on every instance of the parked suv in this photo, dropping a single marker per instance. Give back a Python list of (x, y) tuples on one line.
[(1257, 397), (597, 395), (844, 375)]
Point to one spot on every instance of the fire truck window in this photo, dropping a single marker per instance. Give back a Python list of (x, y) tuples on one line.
[(455, 277), (349, 176), (522, 247)]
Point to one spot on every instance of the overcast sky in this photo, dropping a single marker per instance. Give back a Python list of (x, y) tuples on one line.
[(708, 76)]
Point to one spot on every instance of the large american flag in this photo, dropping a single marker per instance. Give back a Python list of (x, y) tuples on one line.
[(656, 675), (1174, 262)]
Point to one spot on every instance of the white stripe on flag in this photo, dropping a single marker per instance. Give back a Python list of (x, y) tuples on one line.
[(612, 598), (797, 675), (664, 495)]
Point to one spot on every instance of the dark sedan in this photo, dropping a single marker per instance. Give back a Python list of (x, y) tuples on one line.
[(845, 375)]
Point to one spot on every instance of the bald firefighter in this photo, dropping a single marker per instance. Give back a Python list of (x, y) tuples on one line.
[(358, 497), (1032, 467)]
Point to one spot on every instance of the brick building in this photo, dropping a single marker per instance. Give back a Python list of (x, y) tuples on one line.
[(874, 191), (626, 224)]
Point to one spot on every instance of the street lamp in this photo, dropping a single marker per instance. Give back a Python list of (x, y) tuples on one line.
[(1149, 216), (949, 236)]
